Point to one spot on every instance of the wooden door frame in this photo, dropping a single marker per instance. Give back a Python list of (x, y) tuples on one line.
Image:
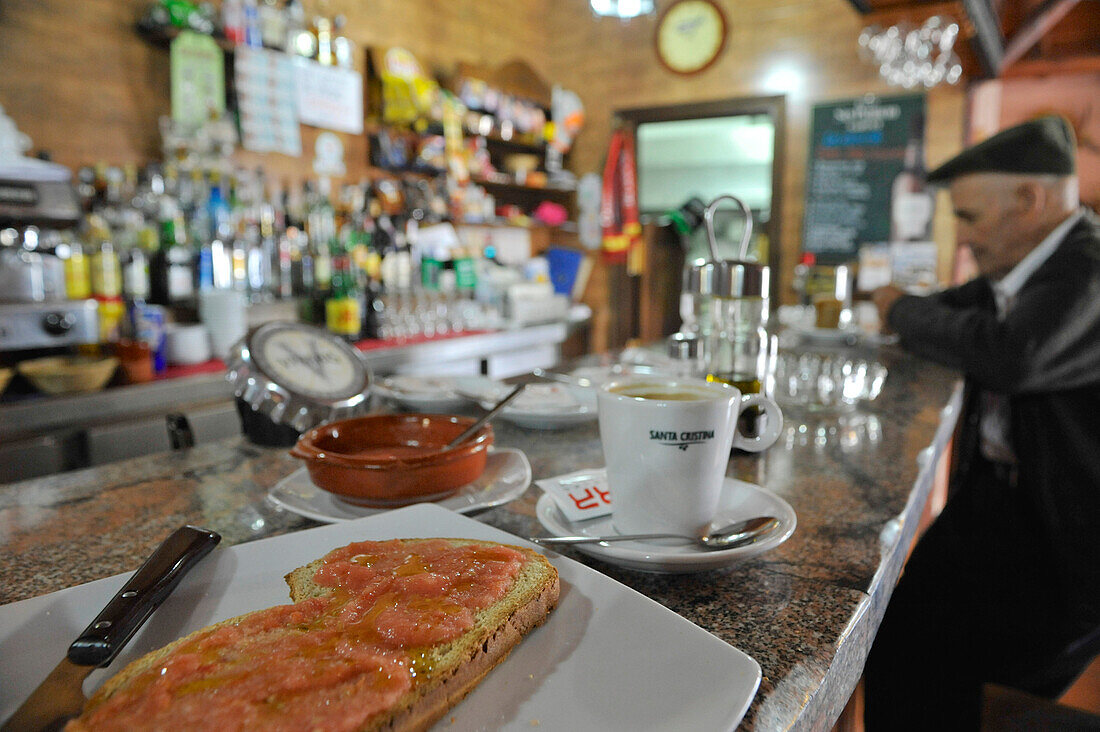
[(773, 106)]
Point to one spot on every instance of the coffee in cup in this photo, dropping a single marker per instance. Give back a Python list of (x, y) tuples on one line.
[(666, 443)]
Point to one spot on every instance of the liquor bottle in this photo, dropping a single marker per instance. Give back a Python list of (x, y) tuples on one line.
[(199, 233), (343, 50), (106, 282), (300, 41), (172, 278), (251, 17), (258, 263), (275, 249), (911, 201), (322, 29), (321, 229), (272, 24), (233, 21), (221, 241), (135, 269), (343, 307), (78, 277), (106, 268)]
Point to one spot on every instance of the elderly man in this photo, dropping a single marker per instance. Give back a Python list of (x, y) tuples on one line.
[(1004, 587)]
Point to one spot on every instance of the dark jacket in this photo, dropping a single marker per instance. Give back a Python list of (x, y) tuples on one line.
[(1045, 355)]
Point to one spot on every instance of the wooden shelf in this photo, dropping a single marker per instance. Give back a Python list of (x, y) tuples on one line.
[(516, 145), (522, 189), (163, 37)]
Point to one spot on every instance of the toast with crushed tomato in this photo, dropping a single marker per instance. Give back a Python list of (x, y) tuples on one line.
[(380, 636)]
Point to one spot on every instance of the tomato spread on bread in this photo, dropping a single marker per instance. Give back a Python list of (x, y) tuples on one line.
[(327, 662)]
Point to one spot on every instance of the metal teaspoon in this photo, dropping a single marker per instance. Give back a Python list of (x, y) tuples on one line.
[(472, 429), (727, 537)]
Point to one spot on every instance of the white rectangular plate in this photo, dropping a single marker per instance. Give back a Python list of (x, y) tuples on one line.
[(608, 658)]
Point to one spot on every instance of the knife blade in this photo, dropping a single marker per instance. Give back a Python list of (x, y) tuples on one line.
[(60, 697)]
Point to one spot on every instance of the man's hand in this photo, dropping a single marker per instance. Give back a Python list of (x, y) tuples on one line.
[(884, 299)]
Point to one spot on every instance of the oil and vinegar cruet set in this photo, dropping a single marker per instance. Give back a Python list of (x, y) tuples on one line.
[(725, 308)]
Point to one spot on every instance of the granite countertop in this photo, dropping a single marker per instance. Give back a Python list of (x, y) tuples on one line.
[(806, 611)]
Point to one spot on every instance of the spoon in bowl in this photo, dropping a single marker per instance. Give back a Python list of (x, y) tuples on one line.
[(727, 537), (472, 429)]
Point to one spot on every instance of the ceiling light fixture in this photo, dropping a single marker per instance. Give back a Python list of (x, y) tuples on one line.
[(910, 57), (623, 9)]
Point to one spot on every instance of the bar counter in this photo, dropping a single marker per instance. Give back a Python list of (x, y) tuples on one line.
[(806, 611)]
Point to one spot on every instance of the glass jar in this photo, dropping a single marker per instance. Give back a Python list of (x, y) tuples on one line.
[(737, 345), (685, 353), (695, 297)]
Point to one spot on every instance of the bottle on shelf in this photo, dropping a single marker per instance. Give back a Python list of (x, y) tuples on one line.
[(106, 279), (134, 264), (273, 24), (322, 31), (221, 238), (172, 270), (233, 21), (78, 275), (911, 200), (321, 230), (343, 313)]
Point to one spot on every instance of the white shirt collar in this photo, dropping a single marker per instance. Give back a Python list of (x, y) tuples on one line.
[(1005, 290)]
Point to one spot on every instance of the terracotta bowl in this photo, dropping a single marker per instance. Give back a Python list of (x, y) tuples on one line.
[(387, 460)]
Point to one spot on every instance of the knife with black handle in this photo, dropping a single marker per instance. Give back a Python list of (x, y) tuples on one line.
[(60, 696)]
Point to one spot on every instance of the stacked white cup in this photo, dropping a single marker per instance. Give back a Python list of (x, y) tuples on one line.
[(224, 313)]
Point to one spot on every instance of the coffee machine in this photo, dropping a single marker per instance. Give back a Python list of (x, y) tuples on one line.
[(38, 197)]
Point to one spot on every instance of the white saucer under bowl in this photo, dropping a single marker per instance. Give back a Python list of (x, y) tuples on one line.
[(740, 500), (507, 475)]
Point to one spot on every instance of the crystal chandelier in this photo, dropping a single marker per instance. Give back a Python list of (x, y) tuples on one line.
[(910, 57), (621, 8)]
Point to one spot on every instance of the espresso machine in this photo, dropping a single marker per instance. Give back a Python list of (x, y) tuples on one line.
[(37, 198)]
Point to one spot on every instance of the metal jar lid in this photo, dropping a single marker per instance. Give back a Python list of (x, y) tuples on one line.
[(698, 277), (298, 375), (683, 346), (734, 278)]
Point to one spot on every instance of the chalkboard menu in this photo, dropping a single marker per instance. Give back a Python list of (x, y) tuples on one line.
[(866, 176)]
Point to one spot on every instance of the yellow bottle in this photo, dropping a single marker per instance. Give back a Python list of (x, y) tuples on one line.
[(106, 271), (78, 276)]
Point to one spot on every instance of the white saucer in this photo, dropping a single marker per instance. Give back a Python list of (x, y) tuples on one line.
[(541, 406), (507, 475), (740, 500), (844, 336), (421, 393)]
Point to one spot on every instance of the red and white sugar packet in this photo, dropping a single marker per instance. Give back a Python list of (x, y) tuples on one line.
[(580, 495)]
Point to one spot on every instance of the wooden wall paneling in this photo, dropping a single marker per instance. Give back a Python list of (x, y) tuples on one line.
[(661, 282), (812, 43), (79, 81)]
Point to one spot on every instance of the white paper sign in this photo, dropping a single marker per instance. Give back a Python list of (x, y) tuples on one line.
[(914, 265), (580, 495), (267, 101), (875, 267), (329, 97)]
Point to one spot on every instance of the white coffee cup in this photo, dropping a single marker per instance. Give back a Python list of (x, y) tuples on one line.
[(666, 443)]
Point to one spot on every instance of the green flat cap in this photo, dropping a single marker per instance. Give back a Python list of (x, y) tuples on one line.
[(1042, 146)]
